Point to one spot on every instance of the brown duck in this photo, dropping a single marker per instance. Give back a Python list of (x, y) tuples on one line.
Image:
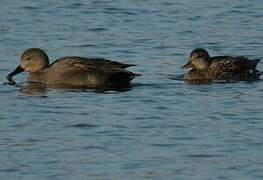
[(72, 70), (220, 68)]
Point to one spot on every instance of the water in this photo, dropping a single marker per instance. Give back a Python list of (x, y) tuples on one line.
[(160, 129)]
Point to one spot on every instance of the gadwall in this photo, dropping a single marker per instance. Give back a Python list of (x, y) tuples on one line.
[(220, 68), (72, 70)]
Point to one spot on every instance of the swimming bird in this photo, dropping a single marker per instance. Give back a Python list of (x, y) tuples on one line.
[(72, 70), (226, 68)]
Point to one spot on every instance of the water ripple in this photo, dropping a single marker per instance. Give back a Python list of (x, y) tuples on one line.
[(160, 127)]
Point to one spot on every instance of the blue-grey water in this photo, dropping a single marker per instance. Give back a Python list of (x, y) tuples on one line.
[(162, 128)]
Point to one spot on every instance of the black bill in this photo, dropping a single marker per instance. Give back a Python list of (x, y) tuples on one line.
[(188, 65), (18, 70)]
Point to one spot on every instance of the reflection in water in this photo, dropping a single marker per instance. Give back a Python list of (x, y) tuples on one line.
[(40, 90), (97, 89), (33, 89), (181, 77)]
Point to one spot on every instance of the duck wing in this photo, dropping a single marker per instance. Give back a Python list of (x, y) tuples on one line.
[(72, 64), (97, 62), (107, 62), (108, 73), (233, 63)]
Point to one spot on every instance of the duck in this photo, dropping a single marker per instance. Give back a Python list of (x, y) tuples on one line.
[(204, 68), (72, 71)]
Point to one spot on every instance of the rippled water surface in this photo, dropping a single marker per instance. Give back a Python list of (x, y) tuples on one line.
[(161, 128)]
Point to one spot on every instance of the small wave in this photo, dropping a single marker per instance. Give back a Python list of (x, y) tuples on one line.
[(203, 155), (82, 45), (96, 29), (30, 8), (83, 125), (179, 77)]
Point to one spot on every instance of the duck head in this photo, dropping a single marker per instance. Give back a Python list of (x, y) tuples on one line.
[(32, 60), (199, 59)]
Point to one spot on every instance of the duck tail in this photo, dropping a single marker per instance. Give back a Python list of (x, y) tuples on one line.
[(257, 60), (253, 63), (128, 65), (134, 76)]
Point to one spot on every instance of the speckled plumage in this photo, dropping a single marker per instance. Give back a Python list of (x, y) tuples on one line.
[(220, 68)]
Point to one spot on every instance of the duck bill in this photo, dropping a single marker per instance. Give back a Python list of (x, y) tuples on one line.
[(18, 70), (188, 65)]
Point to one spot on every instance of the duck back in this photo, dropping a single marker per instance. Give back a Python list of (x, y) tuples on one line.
[(78, 71), (233, 64)]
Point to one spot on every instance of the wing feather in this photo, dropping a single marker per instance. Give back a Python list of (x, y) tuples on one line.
[(233, 63)]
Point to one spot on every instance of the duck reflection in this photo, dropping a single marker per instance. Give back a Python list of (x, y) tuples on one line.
[(41, 90), (33, 89)]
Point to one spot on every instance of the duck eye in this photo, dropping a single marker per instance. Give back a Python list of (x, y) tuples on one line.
[(28, 58), (201, 55)]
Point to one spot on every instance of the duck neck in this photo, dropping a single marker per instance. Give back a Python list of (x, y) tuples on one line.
[(36, 77), (208, 62)]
